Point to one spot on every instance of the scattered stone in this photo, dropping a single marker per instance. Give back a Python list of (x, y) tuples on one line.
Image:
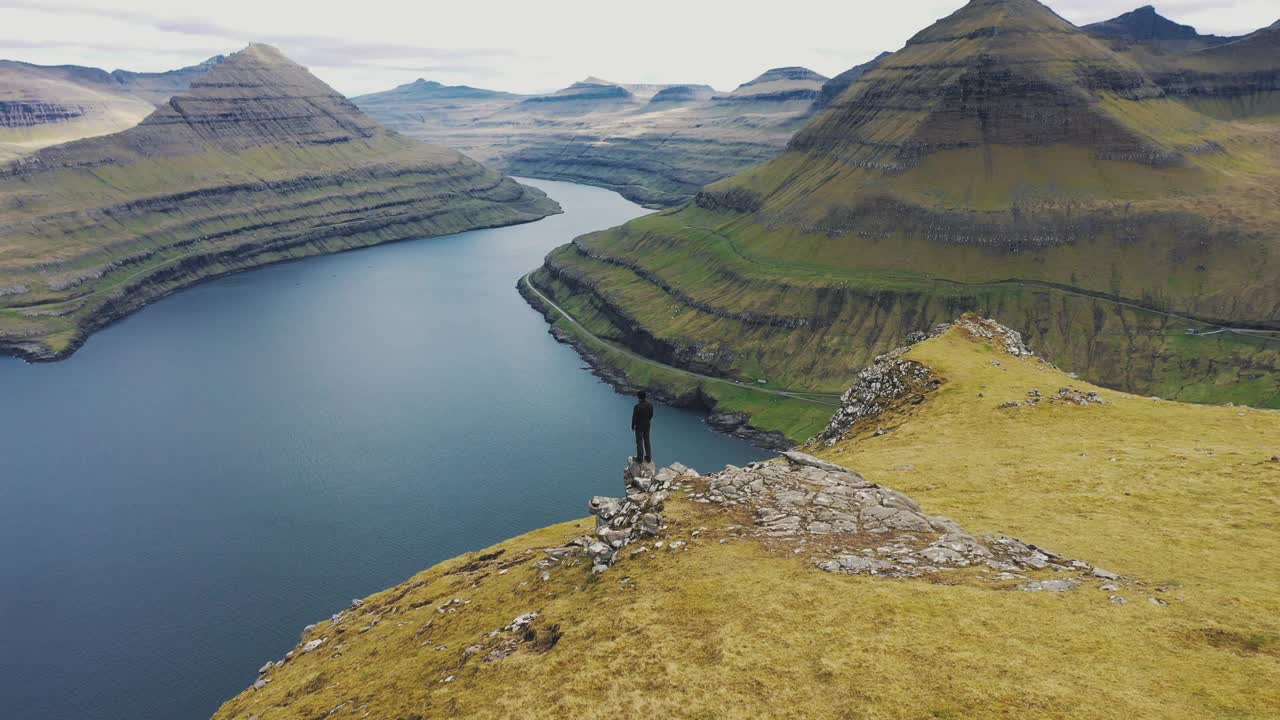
[(1073, 396), (355, 603), (1157, 601), (451, 605), (677, 545), (262, 670), (521, 622), (312, 645), (1104, 574), (1109, 587), (1117, 599), (260, 683), (1050, 585)]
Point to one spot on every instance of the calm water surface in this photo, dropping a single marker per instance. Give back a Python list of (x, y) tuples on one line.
[(180, 497)]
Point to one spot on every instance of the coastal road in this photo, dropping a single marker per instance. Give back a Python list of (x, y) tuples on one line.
[(829, 399), (1217, 325)]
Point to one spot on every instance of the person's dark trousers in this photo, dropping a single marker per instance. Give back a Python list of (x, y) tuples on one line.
[(644, 448)]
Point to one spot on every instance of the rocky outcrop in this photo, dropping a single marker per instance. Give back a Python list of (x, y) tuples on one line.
[(622, 521), (889, 382), (892, 381), (849, 525)]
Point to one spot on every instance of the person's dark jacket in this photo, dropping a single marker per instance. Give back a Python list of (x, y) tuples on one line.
[(641, 415)]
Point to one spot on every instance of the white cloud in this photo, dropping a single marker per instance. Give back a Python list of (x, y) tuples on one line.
[(522, 46)]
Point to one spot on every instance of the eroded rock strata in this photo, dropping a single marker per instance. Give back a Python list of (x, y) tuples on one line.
[(1003, 162), (258, 162)]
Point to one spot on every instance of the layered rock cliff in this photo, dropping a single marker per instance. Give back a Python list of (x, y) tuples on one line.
[(1004, 162), (257, 162)]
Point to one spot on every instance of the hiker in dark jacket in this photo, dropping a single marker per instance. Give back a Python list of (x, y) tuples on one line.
[(640, 417)]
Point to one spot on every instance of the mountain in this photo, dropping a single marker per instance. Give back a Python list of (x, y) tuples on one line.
[(836, 86), (422, 89), (46, 105), (986, 546), (682, 94), (786, 84), (1225, 77), (657, 144), (1146, 25), (1003, 161), (258, 161), (644, 91)]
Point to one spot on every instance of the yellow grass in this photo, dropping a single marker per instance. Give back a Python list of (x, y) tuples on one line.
[(1179, 497)]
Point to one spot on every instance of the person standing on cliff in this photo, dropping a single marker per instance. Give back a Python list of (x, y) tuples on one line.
[(640, 419)]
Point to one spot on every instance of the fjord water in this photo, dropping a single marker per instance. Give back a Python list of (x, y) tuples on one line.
[(180, 497)]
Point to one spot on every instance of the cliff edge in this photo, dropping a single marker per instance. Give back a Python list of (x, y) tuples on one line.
[(1001, 540)]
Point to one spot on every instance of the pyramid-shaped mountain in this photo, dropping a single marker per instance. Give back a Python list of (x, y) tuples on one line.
[(1005, 72), (1003, 161), (258, 161)]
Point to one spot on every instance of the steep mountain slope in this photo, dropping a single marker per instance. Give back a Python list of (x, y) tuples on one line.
[(1146, 25), (782, 589), (1225, 77), (42, 106), (258, 162), (1003, 161), (655, 144)]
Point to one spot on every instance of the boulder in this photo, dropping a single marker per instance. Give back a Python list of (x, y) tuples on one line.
[(807, 460)]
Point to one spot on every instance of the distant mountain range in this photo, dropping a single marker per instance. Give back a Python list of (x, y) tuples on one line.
[(656, 144)]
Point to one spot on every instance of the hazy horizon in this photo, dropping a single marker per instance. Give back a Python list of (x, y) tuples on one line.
[(518, 47)]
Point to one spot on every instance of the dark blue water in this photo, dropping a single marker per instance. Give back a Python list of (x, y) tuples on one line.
[(180, 497)]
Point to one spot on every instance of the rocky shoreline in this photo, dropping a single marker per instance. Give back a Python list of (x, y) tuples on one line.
[(730, 423)]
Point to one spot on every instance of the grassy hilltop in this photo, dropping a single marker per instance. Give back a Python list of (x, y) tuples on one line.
[(1005, 162), (258, 161), (1179, 499)]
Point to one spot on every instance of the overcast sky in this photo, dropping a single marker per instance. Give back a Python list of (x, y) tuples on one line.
[(520, 45)]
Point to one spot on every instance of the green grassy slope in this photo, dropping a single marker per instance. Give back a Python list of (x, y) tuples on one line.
[(258, 162), (1003, 162), (1180, 496)]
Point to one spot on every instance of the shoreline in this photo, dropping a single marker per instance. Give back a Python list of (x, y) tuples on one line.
[(136, 297), (736, 425)]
